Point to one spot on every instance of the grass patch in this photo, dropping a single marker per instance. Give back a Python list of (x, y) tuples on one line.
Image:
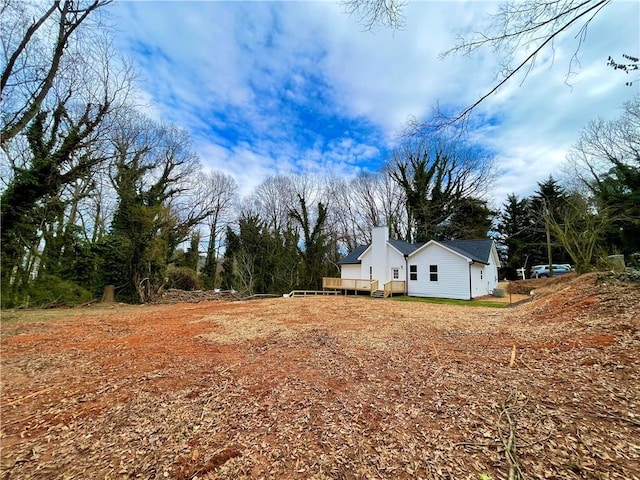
[(451, 301)]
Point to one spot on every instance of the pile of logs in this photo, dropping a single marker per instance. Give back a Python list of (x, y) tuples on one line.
[(174, 295)]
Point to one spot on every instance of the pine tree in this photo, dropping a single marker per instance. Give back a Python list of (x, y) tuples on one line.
[(514, 228), (549, 200)]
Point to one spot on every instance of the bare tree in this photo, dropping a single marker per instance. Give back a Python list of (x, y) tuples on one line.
[(393, 201), (364, 202), (219, 192), (315, 247), (530, 26), (581, 230), (272, 200), (244, 271), (31, 63), (153, 175), (277, 195), (605, 164), (606, 145), (344, 217), (60, 147)]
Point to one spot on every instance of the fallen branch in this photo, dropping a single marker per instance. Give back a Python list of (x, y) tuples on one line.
[(89, 303), (510, 449), (21, 399)]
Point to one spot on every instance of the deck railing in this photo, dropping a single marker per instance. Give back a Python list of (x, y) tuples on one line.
[(361, 284), (394, 286)]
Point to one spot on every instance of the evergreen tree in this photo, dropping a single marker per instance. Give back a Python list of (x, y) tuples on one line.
[(471, 219), (261, 260), (315, 247), (514, 228), (437, 176), (231, 249), (249, 260), (548, 202), (191, 256), (618, 193)]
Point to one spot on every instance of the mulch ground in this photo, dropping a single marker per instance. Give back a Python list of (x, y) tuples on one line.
[(339, 387)]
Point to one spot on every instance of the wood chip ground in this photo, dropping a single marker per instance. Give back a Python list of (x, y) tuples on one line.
[(327, 388)]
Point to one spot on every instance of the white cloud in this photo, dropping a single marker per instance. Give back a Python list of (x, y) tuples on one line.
[(269, 87)]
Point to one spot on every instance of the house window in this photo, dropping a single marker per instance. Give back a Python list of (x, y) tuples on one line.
[(370, 272), (395, 273), (480, 274), (413, 272), (433, 273)]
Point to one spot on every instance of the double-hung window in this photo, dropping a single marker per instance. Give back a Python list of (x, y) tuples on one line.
[(413, 272), (433, 273)]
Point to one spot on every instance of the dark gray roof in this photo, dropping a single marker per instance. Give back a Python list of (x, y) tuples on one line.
[(405, 248), (476, 250), (352, 258)]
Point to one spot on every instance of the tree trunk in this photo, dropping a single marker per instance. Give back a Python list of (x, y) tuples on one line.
[(108, 296)]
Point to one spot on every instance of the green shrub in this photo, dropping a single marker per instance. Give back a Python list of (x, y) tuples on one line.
[(183, 278), (47, 290)]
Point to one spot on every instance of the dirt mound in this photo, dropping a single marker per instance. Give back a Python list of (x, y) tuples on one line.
[(324, 388), (525, 287), (604, 296)]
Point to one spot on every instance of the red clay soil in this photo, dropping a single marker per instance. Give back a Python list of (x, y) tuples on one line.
[(336, 387)]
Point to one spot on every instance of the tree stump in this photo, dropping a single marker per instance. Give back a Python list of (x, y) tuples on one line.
[(108, 296)]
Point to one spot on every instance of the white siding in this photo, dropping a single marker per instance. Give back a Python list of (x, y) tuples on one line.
[(492, 269), (484, 278), (350, 271), (453, 273), (457, 277), (394, 260), (366, 259), (381, 271), (480, 284)]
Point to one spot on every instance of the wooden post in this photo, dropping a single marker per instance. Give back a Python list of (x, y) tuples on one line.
[(108, 296)]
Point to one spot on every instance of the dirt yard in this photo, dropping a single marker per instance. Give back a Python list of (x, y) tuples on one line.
[(327, 388)]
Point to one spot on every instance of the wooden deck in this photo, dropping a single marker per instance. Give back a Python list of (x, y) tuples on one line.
[(363, 285), (357, 284), (394, 286)]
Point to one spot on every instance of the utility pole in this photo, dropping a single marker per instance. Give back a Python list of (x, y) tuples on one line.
[(548, 232)]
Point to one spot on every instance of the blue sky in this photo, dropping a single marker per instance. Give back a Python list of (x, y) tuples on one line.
[(278, 87)]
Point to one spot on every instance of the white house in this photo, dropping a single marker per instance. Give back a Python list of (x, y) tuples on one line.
[(460, 269)]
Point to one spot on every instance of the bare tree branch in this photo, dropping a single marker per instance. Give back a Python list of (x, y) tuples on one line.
[(369, 13), (444, 120), (71, 14), (520, 25)]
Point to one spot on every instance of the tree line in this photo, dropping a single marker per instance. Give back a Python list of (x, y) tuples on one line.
[(593, 213), (96, 193)]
